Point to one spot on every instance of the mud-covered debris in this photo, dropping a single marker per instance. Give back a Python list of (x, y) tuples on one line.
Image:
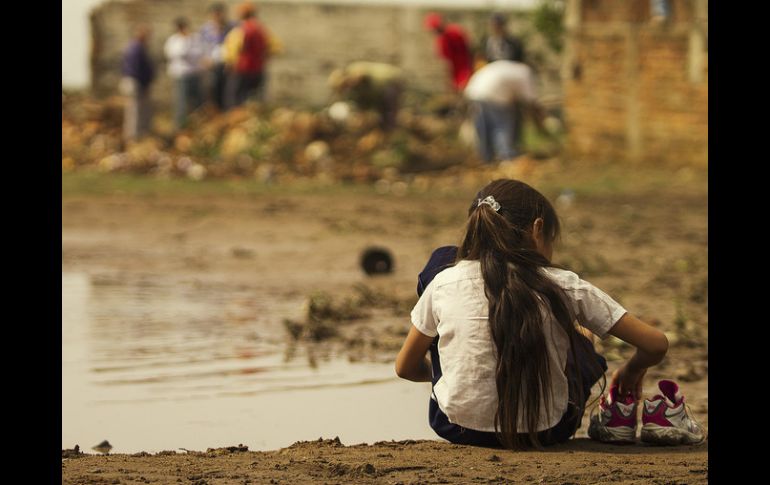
[(242, 253), (318, 330), (338, 144), (227, 450), (366, 469), (321, 306), (376, 260), (494, 458), (333, 443), (72, 453)]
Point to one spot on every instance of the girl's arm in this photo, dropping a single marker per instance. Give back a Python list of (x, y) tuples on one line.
[(651, 346), (411, 363)]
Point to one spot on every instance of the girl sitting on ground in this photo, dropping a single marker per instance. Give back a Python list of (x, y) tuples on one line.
[(510, 365)]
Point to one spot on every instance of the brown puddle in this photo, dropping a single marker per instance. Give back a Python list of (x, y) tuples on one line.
[(153, 365)]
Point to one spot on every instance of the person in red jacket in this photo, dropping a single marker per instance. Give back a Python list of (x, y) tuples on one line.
[(249, 68), (452, 44)]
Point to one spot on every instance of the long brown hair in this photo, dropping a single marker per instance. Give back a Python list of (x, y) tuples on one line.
[(519, 294)]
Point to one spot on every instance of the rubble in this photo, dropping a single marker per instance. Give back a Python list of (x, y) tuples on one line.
[(281, 144)]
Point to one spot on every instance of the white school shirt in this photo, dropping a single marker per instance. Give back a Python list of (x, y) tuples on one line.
[(455, 307), (501, 82), (184, 55)]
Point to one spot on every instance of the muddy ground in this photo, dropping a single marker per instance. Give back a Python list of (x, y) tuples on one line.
[(644, 243), (410, 462)]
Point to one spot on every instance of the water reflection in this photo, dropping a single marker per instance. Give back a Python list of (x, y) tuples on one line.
[(210, 361)]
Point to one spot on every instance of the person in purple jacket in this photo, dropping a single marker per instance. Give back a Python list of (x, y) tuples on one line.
[(212, 35), (138, 74)]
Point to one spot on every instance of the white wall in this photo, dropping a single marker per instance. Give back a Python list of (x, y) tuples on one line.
[(75, 42)]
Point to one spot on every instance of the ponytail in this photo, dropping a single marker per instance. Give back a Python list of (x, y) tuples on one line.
[(520, 295)]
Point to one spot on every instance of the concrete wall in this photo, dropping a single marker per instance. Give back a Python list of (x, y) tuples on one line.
[(317, 38), (636, 91)]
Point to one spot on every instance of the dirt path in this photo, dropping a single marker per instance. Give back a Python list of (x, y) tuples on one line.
[(421, 462)]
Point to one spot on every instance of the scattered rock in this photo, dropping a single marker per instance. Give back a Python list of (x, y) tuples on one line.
[(242, 253), (376, 260), (281, 143)]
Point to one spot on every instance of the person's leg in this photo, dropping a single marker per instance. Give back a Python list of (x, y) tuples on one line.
[(211, 86), (481, 123), (131, 117), (502, 131), (196, 92), (231, 89), (192, 94), (241, 88), (260, 86), (390, 102), (144, 112), (252, 86), (180, 107), (218, 86), (457, 434), (518, 127)]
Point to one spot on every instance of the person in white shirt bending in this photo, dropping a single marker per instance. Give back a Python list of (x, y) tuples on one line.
[(494, 92), (184, 53)]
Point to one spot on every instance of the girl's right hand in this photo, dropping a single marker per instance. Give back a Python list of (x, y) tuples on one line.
[(651, 346), (629, 381)]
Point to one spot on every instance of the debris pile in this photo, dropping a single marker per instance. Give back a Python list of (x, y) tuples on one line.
[(270, 144)]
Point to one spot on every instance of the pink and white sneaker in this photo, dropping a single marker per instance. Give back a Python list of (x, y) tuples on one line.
[(666, 419), (616, 420)]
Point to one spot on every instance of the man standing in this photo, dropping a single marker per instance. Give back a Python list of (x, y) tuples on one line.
[(212, 35), (138, 73), (494, 91), (452, 45), (183, 52), (499, 44), (246, 52)]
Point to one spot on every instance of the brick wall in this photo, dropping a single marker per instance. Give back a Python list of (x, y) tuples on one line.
[(317, 38), (635, 91)]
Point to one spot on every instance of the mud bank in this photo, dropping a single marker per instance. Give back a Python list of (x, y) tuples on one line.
[(403, 462)]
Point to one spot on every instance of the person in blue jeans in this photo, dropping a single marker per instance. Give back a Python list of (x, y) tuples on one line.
[(496, 93)]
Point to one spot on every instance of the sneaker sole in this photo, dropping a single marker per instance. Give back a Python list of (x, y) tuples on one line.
[(668, 435), (617, 435)]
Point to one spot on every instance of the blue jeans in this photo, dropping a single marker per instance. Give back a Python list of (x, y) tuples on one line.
[(590, 364), (494, 130), (188, 98), (661, 8), (217, 83)]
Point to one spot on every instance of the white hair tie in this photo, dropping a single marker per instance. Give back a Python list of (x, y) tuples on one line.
[(490, 201)]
